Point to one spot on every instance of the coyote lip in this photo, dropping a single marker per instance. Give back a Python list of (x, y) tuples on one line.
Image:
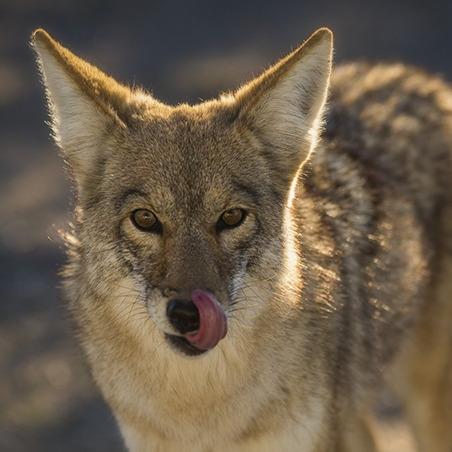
[(182, 345)]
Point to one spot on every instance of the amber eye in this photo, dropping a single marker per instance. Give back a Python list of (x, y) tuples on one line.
[(144, 219), (231, 219)]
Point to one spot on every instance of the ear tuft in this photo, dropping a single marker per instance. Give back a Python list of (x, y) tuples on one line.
[(41, 37), (322, 34)]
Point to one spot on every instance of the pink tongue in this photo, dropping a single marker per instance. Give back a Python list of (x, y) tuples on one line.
[(212, 321)]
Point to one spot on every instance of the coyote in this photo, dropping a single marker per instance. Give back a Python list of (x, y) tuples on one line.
[(244, 273)]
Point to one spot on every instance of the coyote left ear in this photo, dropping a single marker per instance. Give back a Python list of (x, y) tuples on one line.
[(283, 107), (84, 103)]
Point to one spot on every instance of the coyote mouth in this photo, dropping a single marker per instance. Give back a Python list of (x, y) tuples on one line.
[(183, 345), (213, 325)]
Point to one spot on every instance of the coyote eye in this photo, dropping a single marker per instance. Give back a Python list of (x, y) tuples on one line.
[(231, 219), (145, 220)]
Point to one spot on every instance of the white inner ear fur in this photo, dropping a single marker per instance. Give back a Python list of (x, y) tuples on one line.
[(289, 115), (77, 123)]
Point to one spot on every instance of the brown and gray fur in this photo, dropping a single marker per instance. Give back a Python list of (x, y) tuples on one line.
[(341, 273)]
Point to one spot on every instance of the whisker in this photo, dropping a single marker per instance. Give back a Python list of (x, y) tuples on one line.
[(156, 348)]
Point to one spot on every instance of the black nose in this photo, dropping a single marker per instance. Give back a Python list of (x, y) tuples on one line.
[(183, 315)]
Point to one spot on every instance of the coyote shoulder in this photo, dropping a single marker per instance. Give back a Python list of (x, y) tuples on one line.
[(243, 273)]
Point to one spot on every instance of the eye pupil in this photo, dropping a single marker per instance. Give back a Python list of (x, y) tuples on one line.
[(232, 217), (144, 219)]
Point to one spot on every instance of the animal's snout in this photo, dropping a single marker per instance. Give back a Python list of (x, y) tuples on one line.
[(183, 316)]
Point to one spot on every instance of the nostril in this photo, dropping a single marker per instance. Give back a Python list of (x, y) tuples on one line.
[(183, 315)]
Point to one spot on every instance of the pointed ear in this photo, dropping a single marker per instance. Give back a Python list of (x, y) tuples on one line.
[(283, 107), (84, 103)]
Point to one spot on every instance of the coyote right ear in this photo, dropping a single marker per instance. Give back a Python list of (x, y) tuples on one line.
[(284, 106), (84, 102)]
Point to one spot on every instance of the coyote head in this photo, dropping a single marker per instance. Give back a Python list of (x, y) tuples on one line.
[(187, 204)]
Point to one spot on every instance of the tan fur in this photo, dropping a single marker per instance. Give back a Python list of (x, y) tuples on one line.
[(340, 270), (422, 376)]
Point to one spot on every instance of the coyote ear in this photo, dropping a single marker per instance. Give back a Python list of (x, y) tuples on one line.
[(283, 107), (84, 103)]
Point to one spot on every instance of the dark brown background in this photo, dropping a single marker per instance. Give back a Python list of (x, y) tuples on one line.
[(182, 51)]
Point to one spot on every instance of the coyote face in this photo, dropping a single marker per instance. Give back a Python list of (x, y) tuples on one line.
[(201, 193), (192, 220)]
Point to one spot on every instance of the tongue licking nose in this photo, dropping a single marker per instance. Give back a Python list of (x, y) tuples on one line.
[(212, 321)]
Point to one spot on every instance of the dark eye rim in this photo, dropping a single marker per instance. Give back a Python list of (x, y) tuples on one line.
[(221, 225), (155, 228)]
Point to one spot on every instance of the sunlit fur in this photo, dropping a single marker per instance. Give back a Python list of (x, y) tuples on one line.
[(339, 272)]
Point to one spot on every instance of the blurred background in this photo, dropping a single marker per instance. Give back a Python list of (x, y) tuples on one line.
[(182, 51)]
